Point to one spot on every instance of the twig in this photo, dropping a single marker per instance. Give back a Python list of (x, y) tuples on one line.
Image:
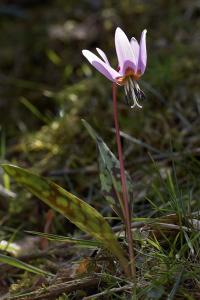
[(52, 291), (133, 225), (88, 169), (138, 142), (169, 155), (109, 291)]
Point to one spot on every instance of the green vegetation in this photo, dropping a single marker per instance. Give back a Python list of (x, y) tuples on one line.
[(46, 88)]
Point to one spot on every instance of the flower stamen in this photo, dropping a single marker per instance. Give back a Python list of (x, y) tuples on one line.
[(133, 93)]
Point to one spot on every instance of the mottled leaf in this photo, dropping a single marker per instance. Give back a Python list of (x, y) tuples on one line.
[(77, 211), (110, 173)]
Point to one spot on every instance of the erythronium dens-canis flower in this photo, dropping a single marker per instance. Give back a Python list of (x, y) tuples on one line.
[(132, 60)]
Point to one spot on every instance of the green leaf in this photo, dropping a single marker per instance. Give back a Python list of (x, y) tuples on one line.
[(21, 265), (110, 173), (77, 211)]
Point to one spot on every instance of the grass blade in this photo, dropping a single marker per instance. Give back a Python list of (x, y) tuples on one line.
[(64, 239), (21, 265), (176, 285)]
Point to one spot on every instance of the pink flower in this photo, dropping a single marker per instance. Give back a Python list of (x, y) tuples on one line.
[(132, 60)]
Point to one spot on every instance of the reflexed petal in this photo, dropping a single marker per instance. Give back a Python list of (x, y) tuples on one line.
[(100, 65), (124, 51), (136, 48), (142, 61), (103, 55)]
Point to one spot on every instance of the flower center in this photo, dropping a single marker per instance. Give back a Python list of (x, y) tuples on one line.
[(133, 93), (129, 73)]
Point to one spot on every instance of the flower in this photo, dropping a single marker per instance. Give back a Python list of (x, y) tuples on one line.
[(132, 60)]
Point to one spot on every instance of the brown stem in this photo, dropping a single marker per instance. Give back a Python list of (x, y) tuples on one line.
[(127, 216), (48, 222)]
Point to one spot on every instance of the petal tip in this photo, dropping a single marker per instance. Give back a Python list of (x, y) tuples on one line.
[(118, 30), (84, 51), (133, 39)]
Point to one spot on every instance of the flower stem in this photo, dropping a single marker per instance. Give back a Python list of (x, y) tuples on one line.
[(127, 215)]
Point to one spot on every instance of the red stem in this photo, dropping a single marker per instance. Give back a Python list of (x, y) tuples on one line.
[(127, 216)]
